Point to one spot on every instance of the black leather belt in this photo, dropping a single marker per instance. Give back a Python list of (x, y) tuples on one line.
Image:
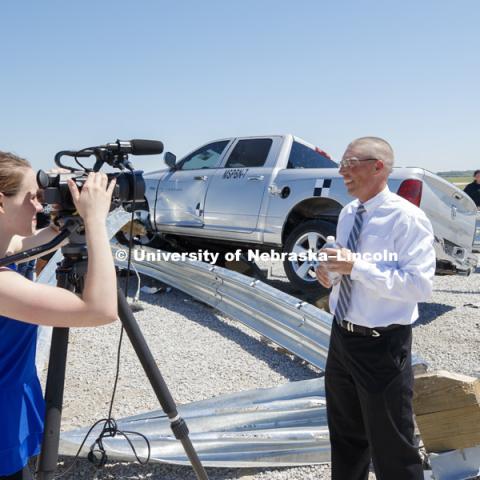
[(366, 331)]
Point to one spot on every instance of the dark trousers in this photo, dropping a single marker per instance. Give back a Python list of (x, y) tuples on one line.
[(24, 474), (369, 388)]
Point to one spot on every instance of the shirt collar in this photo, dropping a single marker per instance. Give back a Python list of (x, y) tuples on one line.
[(375, 201)]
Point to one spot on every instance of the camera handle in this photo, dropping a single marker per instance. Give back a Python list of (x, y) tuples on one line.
[(70, 275)]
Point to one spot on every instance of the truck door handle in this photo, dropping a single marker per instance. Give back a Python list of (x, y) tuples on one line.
[(256, 177), (454, 211), (203, 178)]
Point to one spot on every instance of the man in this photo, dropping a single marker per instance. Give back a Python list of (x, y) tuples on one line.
[(473, 189), (368, 376)]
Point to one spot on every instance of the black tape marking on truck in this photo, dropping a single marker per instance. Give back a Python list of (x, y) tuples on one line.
[(322, 187), (234, 173)]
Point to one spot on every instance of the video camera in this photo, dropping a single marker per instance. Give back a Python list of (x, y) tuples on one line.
[(130, 186)]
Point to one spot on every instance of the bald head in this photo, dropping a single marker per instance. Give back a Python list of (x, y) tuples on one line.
[(375, 147), (365, 167)]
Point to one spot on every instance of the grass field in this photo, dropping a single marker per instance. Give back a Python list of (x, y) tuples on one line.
[(459, 181)]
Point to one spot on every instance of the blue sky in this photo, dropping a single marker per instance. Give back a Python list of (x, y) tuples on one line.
[(76, 74)]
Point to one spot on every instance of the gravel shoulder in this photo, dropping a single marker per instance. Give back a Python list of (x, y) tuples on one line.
[(202, 354)]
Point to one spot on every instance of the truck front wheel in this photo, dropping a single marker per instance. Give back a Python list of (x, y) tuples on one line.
[(307, 237)]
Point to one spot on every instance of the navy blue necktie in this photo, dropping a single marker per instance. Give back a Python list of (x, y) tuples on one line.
[(345, 292)]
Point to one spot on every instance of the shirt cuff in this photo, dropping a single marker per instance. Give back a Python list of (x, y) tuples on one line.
[(360, 269)]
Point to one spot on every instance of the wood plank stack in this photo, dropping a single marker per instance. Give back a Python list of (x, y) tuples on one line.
[(447, 409)]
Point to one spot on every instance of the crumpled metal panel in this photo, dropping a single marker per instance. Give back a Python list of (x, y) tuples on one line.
[(280, 426)]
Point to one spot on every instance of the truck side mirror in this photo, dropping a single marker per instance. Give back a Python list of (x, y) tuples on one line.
[(170, 159)]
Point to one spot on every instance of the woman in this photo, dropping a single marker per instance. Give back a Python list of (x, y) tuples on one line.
[(24, 305)]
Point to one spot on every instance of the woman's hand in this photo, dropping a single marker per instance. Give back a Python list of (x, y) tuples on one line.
[(93, 201), (58, 170)]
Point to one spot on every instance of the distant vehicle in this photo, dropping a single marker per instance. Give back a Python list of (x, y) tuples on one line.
[(279, 192)]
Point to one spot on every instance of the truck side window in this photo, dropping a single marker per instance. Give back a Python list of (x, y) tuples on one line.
[(302, 156), (205, 157), (249, 153)]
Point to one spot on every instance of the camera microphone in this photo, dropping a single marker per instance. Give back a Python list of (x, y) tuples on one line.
[(136, 147)]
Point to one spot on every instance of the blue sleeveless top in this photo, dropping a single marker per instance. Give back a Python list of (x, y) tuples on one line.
[(22, 407)]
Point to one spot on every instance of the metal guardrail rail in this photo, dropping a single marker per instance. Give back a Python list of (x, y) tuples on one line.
[(297, 326)]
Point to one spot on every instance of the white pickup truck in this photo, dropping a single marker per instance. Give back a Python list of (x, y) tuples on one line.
[(279, 192)]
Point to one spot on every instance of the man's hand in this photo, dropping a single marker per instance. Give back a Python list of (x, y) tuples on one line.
[(322, 275), (339, 260)]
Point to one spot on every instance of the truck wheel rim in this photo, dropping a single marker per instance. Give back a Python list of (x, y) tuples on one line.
[(309, 241)]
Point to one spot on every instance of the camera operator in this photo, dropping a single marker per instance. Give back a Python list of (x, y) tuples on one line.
[(24, 305)]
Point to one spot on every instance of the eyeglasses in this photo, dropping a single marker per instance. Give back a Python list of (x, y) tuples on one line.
[(353, 162)]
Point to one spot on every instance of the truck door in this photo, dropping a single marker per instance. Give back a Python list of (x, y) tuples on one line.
[(181, 192), (235, 195)]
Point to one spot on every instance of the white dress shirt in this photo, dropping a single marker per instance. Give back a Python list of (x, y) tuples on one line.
[(386, 292)]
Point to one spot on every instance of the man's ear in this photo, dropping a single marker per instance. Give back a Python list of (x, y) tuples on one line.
[(2, 198), (379, 165)]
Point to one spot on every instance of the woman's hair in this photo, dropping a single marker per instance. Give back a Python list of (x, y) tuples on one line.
[(11, 172)]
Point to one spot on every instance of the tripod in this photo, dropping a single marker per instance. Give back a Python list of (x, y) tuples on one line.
[(70, 275)]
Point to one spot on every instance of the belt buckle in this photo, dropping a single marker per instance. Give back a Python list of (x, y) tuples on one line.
[(350, 326)]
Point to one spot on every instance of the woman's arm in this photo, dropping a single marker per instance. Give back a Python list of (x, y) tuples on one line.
[(46, 305), (41, 237)]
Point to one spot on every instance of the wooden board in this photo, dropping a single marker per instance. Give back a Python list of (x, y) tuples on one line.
[(438, 391), (447, 409)]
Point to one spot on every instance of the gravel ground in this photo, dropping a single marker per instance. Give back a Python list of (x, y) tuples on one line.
[(202, 354)]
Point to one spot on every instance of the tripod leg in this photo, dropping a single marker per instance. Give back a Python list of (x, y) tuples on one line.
[(177, 424), (47, 462)]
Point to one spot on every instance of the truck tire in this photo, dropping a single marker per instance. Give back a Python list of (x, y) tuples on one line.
[(310, 235)]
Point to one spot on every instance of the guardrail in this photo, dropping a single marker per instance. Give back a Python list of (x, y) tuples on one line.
[(297, 326)]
